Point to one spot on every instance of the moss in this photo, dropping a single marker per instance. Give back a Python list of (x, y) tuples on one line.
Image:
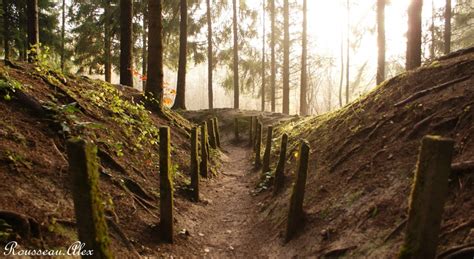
[(166, 187)]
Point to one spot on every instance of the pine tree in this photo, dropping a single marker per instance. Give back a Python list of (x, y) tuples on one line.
[(263, 57), (236, 55), (447, 27), (126, 42), (154, 86), (286, 58), (380, 41), (33, 29), (413, 55), (273, 63), (304, 81), (180, 101), (210, 94)]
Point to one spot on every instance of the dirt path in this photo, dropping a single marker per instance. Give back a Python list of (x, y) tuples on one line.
[(231, 213)]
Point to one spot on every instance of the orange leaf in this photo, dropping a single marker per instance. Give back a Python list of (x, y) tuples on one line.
[(167, 100)]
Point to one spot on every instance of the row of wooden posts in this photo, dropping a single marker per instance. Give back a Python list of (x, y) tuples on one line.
[(426, 201), (425, 204), (88, 206)]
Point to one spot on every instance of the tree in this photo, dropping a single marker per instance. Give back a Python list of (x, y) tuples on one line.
[(210, 95), (341, 79), (126, 42), (304, 81), (180, 101), (144, 42), (413, 53), (263, 57), (273, 63), (107, 42), (380, 41), (286, 58), (236, 55), (447, 28), (6, 28), (348, 39), (63, 31), (33, 29), (154, 86)]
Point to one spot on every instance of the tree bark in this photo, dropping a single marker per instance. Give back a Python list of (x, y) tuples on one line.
[(348, 52), (413, 53), (273, 64), (341, 80), (380, 41), (107, 43), (432, 31), (180, 101), (447, 28), (236, 56), (126, 42), (144, 42), (154, 86), (63, 24), (286, 58), (210, 94), (304, 80), (6, 28), (166, 186), (33, 29), (263, 58)]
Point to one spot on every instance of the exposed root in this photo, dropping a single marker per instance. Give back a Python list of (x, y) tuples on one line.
[(467, 224), (429, 90), (24, 225), (111, 223), (457, 252), (345, 157), (107, 158), (416, 128), (462, 166), (396, 230)]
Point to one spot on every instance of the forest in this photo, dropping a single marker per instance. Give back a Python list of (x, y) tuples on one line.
[(237, 129)]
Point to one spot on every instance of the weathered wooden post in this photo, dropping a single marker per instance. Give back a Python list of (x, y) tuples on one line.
[(251, 131), (88, 207), (258, 145), (427, 198), (211, 133), (279, 172), (216, 131), (268, 148), (236, 128), (204, 151), (256, 121), (166, 187), (194, 164), (295, 214)]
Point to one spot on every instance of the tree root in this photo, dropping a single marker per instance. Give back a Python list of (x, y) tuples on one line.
[(107, 158), (24, 225), (429, 90), (463, 251), (462, 166), (111, 223), (396, 230), (466, 224), (419, 125), (345, 157)]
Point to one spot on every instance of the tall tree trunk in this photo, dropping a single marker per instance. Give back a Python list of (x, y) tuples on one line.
[(6, 28), (180, 100), (144, 42), (263, 58), (413, 55), (304, 81), (126, 42), (380, 41), (154, 84), (236, 56), (273, 64), (63, 31), (33, 29), (107, 43), (210, 94), (286, 57), (432, 31), (341, 80), (447, 28), (348, 48)]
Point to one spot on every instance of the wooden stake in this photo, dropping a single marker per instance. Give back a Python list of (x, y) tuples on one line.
[(427, 198), (194, 164), (216, 132), (258, 145), (279, 172), (212, 133), (88, 207), (295, 214), (268, 148), (251, 131), (166, 187), (204, 151)]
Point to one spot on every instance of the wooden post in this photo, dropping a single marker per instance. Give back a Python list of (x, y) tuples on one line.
[(268, 148), (216, 132), (88, 207), (258, 145), (166, 187), (204, 151), (295, 214), (194, 164), (236, 128), (427, 198), (254, 129), (251, 131), (279, 172), (212, 133)]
